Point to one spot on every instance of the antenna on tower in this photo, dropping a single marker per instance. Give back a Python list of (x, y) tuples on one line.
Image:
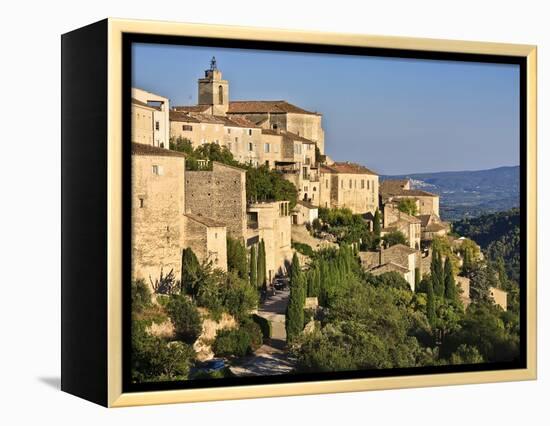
[(213, 65)]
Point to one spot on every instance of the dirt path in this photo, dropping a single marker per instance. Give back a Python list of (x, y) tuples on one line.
[(272, 357)]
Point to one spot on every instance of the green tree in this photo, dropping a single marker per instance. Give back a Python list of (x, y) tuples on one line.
[(377, 225), (395, 237), (407, 205), (294, 323), (417, 277), (430, 304), (236, 257), (185, 317), (253, 267), (450, 285), (189, 271), (262, 273), (437, 273)]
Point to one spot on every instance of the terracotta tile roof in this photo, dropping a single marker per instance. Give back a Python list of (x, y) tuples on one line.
[(346, 167), (237, 122), (288, 135), (395, 187), (388, 267), (183, 117), (144, 104), (142, 149), (273, 107), (402, 248), (206, 221), (191, 108)]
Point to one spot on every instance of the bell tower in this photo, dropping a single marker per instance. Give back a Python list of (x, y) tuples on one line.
[(213, 90)]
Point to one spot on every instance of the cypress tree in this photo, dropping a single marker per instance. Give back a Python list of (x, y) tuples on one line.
[(377, 226), (467, 262), (253, 267), (261, 272), (436, 269), (416, 277), (294, 321), (189, 271), (450, 285), (430, 306)]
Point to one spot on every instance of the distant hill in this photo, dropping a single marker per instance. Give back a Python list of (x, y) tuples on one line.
[(470, 193), (498, 234)]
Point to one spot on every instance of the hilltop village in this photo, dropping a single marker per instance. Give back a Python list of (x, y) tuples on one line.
[(180, 203)]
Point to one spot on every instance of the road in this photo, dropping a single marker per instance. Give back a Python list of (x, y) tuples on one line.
[(272, 357)]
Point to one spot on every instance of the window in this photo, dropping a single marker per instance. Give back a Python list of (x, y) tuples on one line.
[(250, 146), (274, 127), (342, 184), (362, 183), (368, 184), (229, 146), (249, 132), (228, 131), (157, 125), (220, 94), (236, 139), (298, 148), (141, 203), (266, 148), (326, 183), (306, 188), (350, 185), (157, 170)]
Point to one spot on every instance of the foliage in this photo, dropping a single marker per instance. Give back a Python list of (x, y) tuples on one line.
[(237, 260), (181, 144), (190, 269), (262, 268), (395, 237), (185, 317), (253, 267), (238, 297), (466, 354), (451, 292), (430, 306), (264, 324), (303, 248), (165, 284), (390, 280), (263, 184), (407, 205), (295, 310), (238, 342), (141, 296), (377, 224), (152, 359), (437, 273), (348, 228)]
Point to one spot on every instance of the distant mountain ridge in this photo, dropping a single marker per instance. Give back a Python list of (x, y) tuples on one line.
[(470, 193)]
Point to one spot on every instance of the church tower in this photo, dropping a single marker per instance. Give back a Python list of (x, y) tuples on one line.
[(213, 90)]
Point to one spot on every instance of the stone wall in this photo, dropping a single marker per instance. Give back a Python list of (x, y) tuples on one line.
[(158, 201), (358, 192), (219, 194), (207, 240)]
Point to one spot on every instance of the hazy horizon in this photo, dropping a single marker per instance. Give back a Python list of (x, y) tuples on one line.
[(395, 116)]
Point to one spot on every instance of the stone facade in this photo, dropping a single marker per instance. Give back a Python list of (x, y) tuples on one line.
[(207, 238), (395, 190), (399, 258), (271, 222), (152, 127), (500, 297), (219, 194), (158, 200), (304, 213), (348, 185), (410, 226)]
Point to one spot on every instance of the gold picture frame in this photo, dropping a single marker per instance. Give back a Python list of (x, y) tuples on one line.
[(113, 30)]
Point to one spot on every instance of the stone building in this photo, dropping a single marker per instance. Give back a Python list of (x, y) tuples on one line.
[(398, 258), (432, 226), (150, 118), (350, 185), (282, 115), (219, 194), (158, 202), (270, 221), (207, 238), (304, 213), (241, 137), (396, 220), (394, 190)]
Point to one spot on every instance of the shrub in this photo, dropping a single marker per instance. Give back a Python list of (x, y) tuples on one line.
[(235, 342), (185, 317), (254, 331), (238, 296), (302, 248), (153, 359), (141, 296), (264, 324)]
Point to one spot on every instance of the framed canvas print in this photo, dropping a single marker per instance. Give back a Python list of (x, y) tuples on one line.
[(250, 212)]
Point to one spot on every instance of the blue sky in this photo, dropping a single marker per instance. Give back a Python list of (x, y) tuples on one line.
[(392, 115)]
